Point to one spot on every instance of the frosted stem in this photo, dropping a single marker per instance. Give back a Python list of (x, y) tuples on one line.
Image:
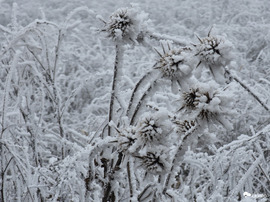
[(167, 37), (129, 180), (248, 90), (188, 133), (140, 101), (135, 90), (118, 60)]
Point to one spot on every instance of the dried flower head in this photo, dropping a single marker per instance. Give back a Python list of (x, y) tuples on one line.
[(125, 24), (190, 98), (206, 103), (172, 62), (214, 50), (153, 162), (149, 130)]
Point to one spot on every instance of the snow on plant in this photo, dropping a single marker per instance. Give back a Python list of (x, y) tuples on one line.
[(126, 24), (207, 102), (173, 62), (215, 52)]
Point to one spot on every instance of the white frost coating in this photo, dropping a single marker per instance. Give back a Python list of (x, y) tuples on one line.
[(126, 24)]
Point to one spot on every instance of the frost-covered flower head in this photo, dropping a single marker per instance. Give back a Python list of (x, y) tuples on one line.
[(126, 24), (207, 102), (214, 50), (173, 62), (152, 129)]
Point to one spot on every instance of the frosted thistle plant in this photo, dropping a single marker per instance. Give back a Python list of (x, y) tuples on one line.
[(174, 62), (152, 129), (215, 52), (149, 130), (208, 103), (185, 126), (126, 24)]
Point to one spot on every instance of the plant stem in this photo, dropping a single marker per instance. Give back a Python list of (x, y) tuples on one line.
[(135, 90), (141, 100), (129, 180), (117, 63), (248, 90)]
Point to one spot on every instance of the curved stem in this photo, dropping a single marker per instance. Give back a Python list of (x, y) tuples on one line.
[(135, 89), (141, 100)]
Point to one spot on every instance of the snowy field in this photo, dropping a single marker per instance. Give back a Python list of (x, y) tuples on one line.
[(135, 101)]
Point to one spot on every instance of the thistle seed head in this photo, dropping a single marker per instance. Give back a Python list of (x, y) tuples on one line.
[(190, 98), (172, 62), (149, 130), (214, 50), (126, 25)]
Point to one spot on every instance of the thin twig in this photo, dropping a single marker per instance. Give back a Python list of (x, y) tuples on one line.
[(248, 90), (167, 37), (57, 54)]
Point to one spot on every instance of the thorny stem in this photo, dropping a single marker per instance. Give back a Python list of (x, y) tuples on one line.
[(247, 89), (141, 100), (118, 58)]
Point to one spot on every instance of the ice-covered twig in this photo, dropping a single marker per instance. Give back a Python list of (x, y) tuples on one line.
[(167, 37), (129, 180), (246, 176), (248, 89)]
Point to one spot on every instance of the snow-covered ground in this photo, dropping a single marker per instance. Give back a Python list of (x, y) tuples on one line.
[(150, 100)]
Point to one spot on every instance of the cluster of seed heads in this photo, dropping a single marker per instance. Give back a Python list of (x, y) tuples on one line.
[(152, 162)]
